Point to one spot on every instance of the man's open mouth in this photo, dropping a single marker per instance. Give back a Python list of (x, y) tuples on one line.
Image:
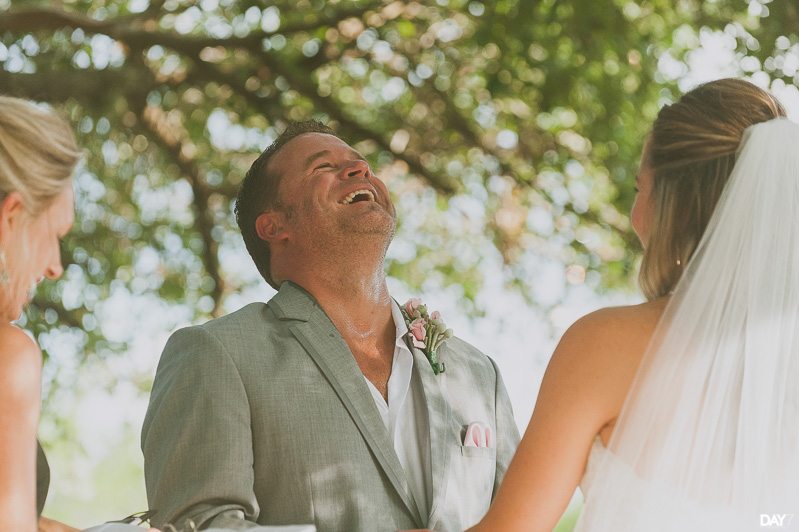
[(358, 196)]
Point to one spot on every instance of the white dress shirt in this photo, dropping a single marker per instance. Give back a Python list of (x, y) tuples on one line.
[(405, 418)]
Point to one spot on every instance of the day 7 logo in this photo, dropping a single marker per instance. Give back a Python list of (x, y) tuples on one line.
[(775, 520)]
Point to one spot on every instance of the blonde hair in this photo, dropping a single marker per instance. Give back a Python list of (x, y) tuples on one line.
[(38, 153), (691, 152)]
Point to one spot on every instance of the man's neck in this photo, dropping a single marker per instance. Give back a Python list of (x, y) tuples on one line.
[(360, 308), (355, 298)]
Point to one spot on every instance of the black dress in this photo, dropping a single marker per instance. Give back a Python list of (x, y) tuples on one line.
[(42, 478)]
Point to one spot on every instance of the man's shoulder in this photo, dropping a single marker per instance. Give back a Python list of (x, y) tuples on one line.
[(252, 315), (230, 333), (252, 318), (463, 348), (462, 355)]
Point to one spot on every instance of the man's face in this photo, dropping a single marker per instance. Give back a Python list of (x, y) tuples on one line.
[(330, 190)]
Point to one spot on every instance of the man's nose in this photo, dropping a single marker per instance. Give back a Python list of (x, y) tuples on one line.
[(357, 169)]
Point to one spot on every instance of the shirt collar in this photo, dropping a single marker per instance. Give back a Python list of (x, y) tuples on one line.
[(399, 323)]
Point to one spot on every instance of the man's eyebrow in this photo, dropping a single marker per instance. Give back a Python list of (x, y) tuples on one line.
[(311, 158)]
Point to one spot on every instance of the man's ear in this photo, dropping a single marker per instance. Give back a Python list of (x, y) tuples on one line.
[(271, 227)]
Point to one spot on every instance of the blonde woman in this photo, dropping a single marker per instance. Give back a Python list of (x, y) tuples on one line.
[(37, 158), (680, 414)]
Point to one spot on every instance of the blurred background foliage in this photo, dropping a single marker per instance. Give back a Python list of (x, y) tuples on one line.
[(509, 132)]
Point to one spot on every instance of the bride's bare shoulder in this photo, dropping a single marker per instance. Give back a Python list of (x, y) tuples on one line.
[(624, 323), (612, 333), (597, 357)]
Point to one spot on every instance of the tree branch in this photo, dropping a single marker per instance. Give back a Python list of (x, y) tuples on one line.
[(46, 18), (305, 85), (124, 28), (49, 18), (151, 120), (86, 86)]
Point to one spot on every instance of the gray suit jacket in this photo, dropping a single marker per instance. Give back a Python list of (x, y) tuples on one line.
[(263, 416)]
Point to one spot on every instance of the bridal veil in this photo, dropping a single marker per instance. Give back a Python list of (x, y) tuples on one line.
[(708, 439)]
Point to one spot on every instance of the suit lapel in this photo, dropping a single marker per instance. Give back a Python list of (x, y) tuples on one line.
[(319, 337), (439, 419)]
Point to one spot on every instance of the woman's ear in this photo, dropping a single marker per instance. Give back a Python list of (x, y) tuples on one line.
[(270, 226), (10, 210)]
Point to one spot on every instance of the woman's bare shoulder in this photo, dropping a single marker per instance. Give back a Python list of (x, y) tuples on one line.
[(15, 340), (597, 358), (20, 362), (609, 342), (623, 327)]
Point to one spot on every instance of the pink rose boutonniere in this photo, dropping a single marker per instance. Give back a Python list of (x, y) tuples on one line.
[(427, 331)]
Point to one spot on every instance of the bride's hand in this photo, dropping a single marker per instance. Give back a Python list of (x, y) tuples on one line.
[(48, 525)]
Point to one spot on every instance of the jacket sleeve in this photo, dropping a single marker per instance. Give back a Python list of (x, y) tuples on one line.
[(507, 432), (196, 437)]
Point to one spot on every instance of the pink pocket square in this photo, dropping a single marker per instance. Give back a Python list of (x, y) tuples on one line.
[(478, 435)]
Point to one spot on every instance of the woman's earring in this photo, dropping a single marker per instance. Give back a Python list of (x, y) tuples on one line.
[(3, 269)]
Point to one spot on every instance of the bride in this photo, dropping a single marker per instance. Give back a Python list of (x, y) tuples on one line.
[(682, 413)]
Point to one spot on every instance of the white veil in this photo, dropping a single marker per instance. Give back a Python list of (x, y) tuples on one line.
[(708, 439)]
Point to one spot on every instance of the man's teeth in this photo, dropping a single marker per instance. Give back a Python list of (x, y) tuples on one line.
[(357, 193)]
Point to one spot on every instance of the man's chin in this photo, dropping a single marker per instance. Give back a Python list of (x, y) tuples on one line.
[(386, 231), (376, 221), (369, 236)]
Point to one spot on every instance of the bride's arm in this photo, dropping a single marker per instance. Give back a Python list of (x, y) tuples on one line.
[(582, 390), (20, 385)]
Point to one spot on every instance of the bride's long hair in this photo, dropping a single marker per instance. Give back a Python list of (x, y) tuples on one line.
[(691, 152), (708, 437)]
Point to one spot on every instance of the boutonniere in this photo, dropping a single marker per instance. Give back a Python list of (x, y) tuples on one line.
[(427, 331)]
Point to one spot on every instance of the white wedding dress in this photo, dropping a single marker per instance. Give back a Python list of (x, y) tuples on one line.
[(683, 516), (595, 457), (708, 438)]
